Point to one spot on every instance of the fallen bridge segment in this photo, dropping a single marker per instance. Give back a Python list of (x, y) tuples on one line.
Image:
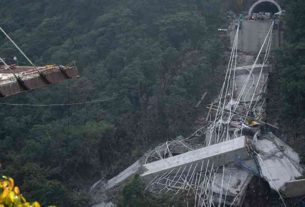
[(220, 154)]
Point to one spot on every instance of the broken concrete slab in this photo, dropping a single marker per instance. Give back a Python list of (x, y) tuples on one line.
[(125, 175), (247, 86), (229, 184), (219, 154), (278, 162)]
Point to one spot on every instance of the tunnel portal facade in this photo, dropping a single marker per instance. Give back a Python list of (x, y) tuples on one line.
[(270, 6)]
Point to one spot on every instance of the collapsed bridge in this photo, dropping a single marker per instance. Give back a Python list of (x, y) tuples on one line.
[(218, 161)]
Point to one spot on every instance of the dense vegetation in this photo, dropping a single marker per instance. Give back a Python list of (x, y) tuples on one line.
[(11, 196), (134, 195), (292, 62), (153, 59)]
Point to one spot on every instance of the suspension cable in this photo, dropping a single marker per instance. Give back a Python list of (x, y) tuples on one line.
[(58, 104), (17, 47), (266, 57), (253, 66), (226, 81), (5, 64)]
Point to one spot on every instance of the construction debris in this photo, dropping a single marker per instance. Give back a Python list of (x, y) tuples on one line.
[(278, 162), (218, 154), (217, 162), (201, 99), (230, 186)]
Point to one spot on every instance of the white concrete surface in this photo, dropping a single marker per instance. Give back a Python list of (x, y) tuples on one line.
[(220, 154), (252, 35), (278, 162), (124, 175), (256, 69), (233, 182), (241, 79)]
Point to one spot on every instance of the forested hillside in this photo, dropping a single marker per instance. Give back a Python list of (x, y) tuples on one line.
[(292, 61), (290, 66), (150, 61)]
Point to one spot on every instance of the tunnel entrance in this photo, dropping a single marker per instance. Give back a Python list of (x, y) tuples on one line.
[(266, 7), (269, 6)]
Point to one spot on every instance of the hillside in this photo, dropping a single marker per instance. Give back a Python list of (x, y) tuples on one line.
[(150, 60), (287, 86)]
